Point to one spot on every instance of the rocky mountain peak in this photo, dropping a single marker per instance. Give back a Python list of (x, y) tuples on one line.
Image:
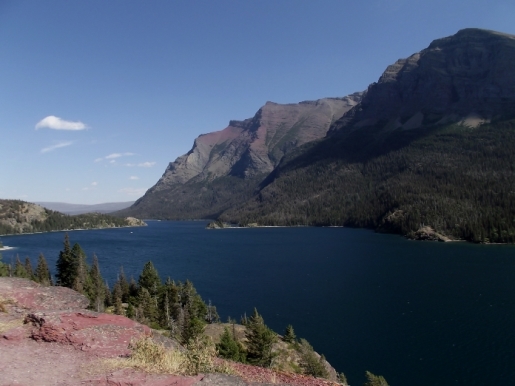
[(256, 145), (464, 77)]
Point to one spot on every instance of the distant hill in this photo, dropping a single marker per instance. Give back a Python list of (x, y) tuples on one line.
[(81, 208), (426, 151), (24, 217)]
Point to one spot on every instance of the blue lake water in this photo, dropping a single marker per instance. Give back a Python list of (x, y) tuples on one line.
[(419, 313)]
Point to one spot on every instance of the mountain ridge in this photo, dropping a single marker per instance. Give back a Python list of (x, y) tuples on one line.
[(428, 146)]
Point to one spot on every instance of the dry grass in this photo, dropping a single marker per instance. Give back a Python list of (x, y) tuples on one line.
[(5, 326), (152, 357)]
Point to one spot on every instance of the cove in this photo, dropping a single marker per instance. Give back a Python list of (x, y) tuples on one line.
[(421, 313)]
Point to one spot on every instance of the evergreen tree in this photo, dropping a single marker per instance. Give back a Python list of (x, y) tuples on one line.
[(117, 299), (42, 274), (28, 268), (192, 327), (230, 348), (4, 268), (81, 280), (169, 305), (97, 291), (310, 363), (260, 340), (149, 279), (133, 288), (374, 380), (124, 286), (19, 268), (146, 312), (289, 334), (65, 266)]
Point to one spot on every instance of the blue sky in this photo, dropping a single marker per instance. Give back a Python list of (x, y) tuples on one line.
[(98, 96)]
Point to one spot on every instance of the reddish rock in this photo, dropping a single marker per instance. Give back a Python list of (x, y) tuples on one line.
[(101, 334), (127, 377), (68, 340), (17, 333)]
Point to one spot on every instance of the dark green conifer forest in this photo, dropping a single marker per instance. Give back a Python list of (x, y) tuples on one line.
[(456, 179)]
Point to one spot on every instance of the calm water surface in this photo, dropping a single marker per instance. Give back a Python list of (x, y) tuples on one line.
[(417, 313)]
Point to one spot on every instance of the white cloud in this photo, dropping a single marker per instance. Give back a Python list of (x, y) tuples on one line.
[(112, 161), (56, 123), (94, 183), (118, 155), (133, 191), (133, 178), (112, 157), (142, 165), (56, 146), (146, 164)]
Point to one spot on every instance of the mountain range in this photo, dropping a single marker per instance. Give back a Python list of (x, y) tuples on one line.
[(72, 209), (426, 151)]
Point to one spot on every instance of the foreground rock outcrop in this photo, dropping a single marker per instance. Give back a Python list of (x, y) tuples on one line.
[(47, 337)]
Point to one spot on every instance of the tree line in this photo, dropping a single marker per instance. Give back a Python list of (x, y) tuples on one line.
[(458, 180)]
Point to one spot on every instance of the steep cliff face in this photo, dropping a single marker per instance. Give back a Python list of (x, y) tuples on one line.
[(467, 77), (256, 145), (223, 168)]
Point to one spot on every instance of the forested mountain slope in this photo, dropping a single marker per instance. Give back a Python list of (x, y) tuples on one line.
[(429, 146), (432, 143)]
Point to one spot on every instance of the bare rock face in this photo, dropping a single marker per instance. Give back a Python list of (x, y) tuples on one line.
[(256, 145), (467, 78), (223, 168)]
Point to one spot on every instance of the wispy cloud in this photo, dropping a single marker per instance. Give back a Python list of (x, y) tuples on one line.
[(94, 183), (56, 123), (112, 157), (56, 146), (133, 178), (133, 191), (142, 165), (118, 155)]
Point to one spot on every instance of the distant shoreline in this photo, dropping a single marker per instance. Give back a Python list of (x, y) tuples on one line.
[(72, 230)]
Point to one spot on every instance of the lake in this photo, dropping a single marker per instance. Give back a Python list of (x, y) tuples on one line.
[(419, 313)]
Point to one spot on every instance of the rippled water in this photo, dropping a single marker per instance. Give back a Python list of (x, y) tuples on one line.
[(417, 313)]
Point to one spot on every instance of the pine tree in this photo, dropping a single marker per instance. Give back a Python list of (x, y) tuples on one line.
[(192, 328), (374, 380), (289, 334), (81, 280), (230, 348), (28, 268), (65, 266), (124, 285), (147, 308), (97, 289), (4, 268), (149, 279), (260, 340), (19, 268), (42, 274), (117, 299), (309, 361)]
